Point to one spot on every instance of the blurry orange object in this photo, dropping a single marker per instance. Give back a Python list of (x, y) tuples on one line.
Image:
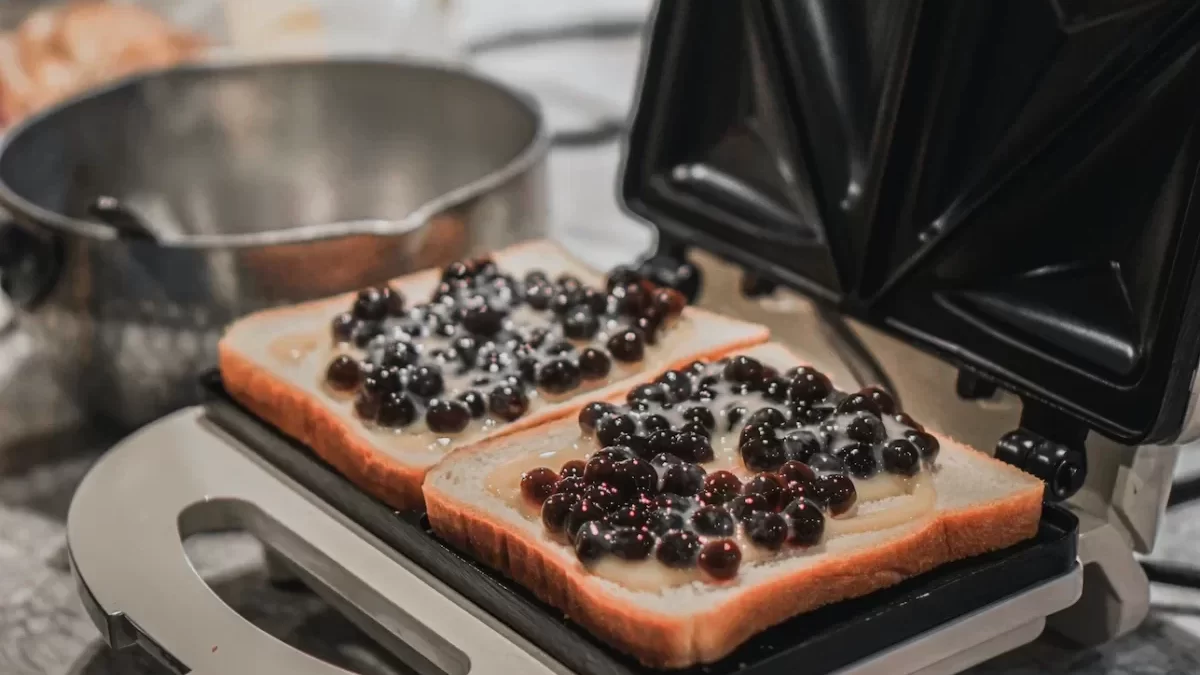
[(62, 50)]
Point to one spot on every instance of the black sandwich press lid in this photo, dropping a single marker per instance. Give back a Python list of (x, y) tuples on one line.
[(1012, 186)]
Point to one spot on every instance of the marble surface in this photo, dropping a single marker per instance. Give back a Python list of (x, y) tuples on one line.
[(43, 629)]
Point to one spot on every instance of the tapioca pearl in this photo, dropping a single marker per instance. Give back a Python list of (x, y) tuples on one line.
[(342, 327), (539, 296), (573, 467), (661, 442), (599, 469), (882, 399), (555, 509), (663, 460), (713, 521), (536, 276), (538, 484), (767, 530), (809, 414), (927, 445), (830, 433), (594, 364), (591, 414), (654, 422), (678, 549), (582, 512), (637, 443), (746, 505), (634, 475), (580, 323), (627, 346), (721, 486), (558, 376), (865, 428), (508, 402), (796, 472), (807, 523), (650, 323), (696, 428), (823, 462), (835, 491), (771, 417), (720, 559), (459, 269), (684, 479), (763, 453), (633, 514), (692, 447), (444, 416), (858, 403), (678, 385), (734, 413), (611, 426), (860, 459), (559, 349), (396, 410), (767, 485), (370, 305), (652, 393), (775, 389), (630, 299), (602, 494), (570, 484), (662, 521), (751, 432), (628, 543), (668, 301), (592, 541), (343, 373), (901, 457), (808, 385), (743, 369), (701, 415), (801, 444), (366, 333)]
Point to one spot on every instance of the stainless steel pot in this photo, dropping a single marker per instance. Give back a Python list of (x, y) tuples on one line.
[(260, 184)]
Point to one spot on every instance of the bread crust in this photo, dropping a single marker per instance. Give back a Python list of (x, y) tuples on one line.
[(308, 419)]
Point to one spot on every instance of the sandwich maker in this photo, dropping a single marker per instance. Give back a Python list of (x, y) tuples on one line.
[(1004, 186)]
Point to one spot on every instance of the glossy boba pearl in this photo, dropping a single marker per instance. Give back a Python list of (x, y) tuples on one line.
[(447, 417), (629, 543), (591, 414), (426, 381), (580, 323), (766, 485), (743, 369), (858, 403), (591, 542), (393, 300), (775, 389), (342, 327), (599, 469), (652, 423), (538, 484), (582, 512), (634, 475), (700, 415), (926, 444), (836, 491), (630, 514), (668, 301), (594, 364), (907, 420), (677, 384), (610, 427), (721, 486), (770, 417), (396, 410), (691, 447), (539, 296), (369, 305), (508, 402), (399, 355), (572, 468), (800, 445), (678, 549), (901, 457), (594, 300), (747, 505), (343, 374), (684, 479), (764, 453), (767, 530), (653, 393), (627, 345), (366, 404), (809, 384), (825, 462), (713, 521), (807, 523), (559, 376), (865, 428), (882, 399), (859, 459), (570, 484), (720, 559), (475, 402), (555, 509)]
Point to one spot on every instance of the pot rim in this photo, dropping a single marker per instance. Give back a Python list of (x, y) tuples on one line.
[(523, 162)]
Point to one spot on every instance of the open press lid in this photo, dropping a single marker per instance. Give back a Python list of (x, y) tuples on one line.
[(1007, 185)]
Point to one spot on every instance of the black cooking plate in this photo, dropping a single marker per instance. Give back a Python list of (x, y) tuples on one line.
[(815, 643), (1009, 185)]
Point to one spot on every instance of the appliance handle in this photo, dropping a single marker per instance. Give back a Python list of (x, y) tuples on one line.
[(183, 475)]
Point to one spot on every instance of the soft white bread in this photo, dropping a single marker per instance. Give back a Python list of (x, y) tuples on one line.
[(982, 505), (391, 467)]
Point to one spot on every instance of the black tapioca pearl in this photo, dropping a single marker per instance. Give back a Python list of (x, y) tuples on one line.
[(764, 453), (836, 491), (720, 559), (806, 521), (563, 302), (393, 300), (539, 296), (559, 376), (538, 484), (580, 323), (631, 299), (627, 346), (713, 521), (661, 442), (692, 447), (901, 457), (662, 521), (865, 428), (599, 470), (508, 402), (622, 275), (746, 505), (560, 348), (582, 512), (485, 266), (700, 415), (637, 443), (668, 301), (677, 384), (927, 444), (573, 467), (343, 373), (635, 475), (858, 403), (444, 416), (366, 404), (796, 472), (483, 319), (592, 542), (385, 379), (459, 269), (634, 514), (592, 413), (767, 485), (527, 367), (568, 282), (722, 486), (664, 459), (768, 416), (825, 462), (908, 421), (753, 431), (609, 427), (536, 276), (678, 549), (698, 367), (743, 369), (555, 509), (828, 432), (615, 453), (794, 491), (801, 444), (808, 414), (628, 543), (399, 355), (652, 423), (859, 459), (443, 293), (594, 300), (734, 414), (369, 305), (808, 385), (342, 327), (775, 389), (570, 484), (396, 409), (426, 381), (696, 428), (650, 322), (704, 394), (602, 494), (683, 479), (654, 393), (673, 502), (767, 530), (365, 333), (882, 399)]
